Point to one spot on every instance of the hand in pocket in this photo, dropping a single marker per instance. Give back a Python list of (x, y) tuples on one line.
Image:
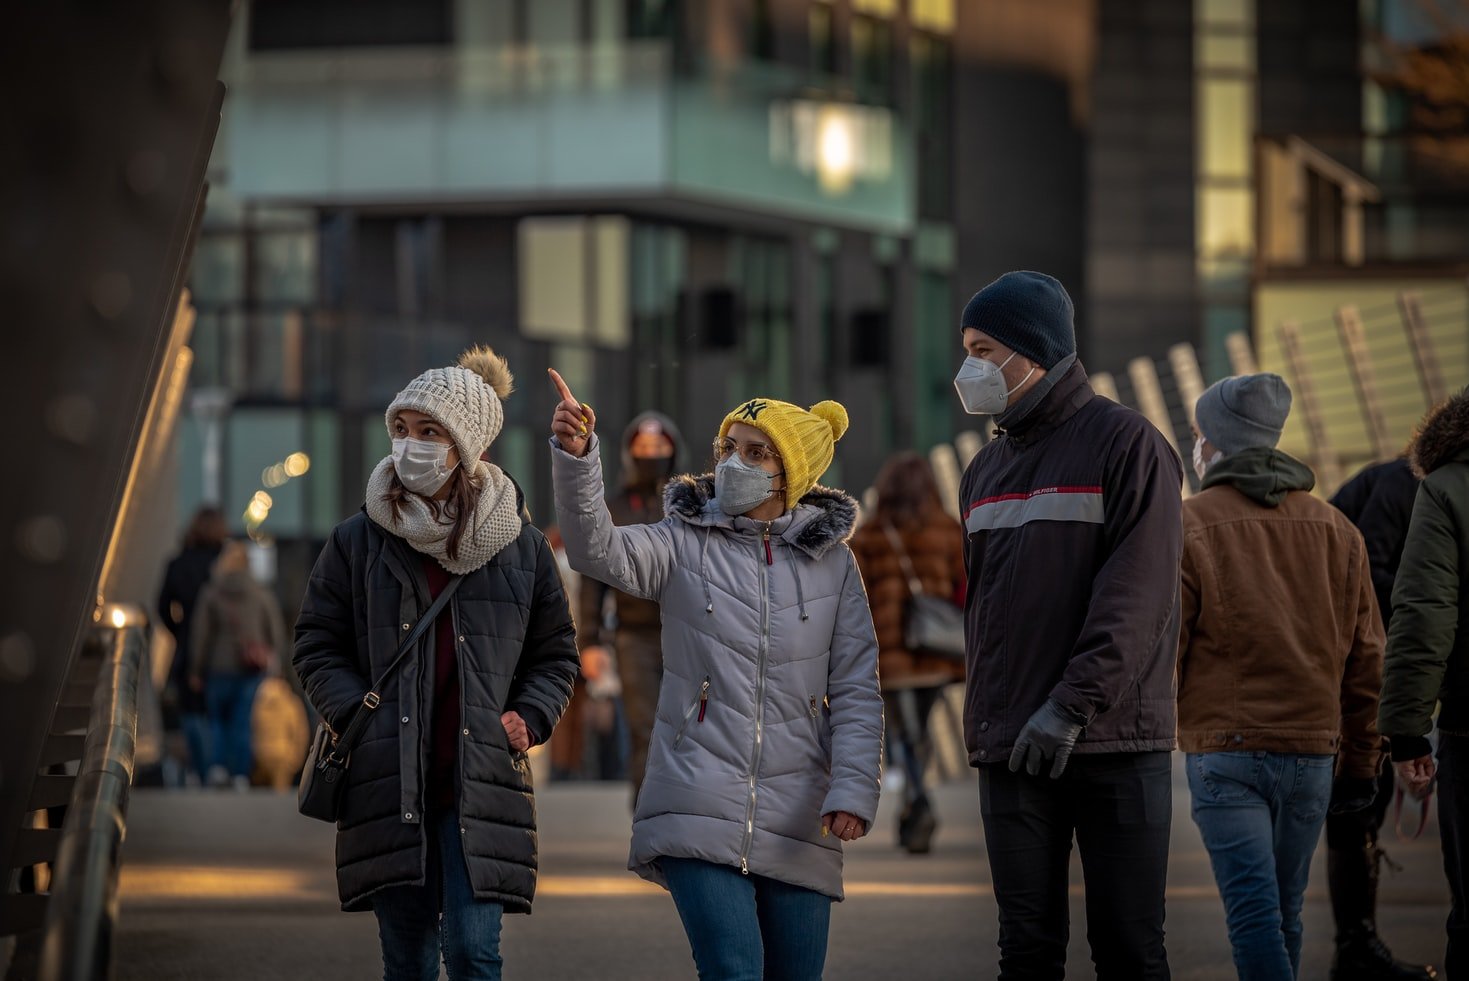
[(516, 731)]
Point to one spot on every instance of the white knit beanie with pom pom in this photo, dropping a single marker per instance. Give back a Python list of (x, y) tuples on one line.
[(464, 397)]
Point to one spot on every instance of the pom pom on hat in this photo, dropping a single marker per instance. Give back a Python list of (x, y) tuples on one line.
[(835, 414), (490, 366)]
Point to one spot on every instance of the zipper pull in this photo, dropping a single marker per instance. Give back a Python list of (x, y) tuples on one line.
[(744, 865), (814, 709), (703, 699), (769, 556)]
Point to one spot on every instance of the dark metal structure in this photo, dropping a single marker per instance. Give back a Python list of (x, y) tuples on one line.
[(109, 113)]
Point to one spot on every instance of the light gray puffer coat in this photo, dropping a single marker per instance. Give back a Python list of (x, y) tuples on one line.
[(769, 716)]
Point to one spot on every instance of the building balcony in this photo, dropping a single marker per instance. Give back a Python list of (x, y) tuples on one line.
[(574, 126), (1350, 204)]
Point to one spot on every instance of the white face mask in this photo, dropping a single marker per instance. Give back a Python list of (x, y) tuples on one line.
[(422, 464), (1201, 466), (981, 385)]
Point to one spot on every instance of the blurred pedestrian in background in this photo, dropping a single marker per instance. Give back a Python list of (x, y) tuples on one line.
[(1428, 652), (590, 741), (629, 633), (237, 635), (766, 751), (909, 536), (183, 580), (1279, 668), (437, 834), (1074, 536), (1379, 501)]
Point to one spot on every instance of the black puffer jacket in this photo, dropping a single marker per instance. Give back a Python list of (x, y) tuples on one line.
[(517, 651)]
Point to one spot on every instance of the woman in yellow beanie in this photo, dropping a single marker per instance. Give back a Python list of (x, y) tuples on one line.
[(766, 750)]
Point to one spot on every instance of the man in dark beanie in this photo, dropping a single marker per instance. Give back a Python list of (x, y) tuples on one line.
[(1073, 542), (1280, 618)]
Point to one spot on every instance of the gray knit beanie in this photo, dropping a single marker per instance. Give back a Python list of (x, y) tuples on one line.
[(465, 397), (1244, 412)]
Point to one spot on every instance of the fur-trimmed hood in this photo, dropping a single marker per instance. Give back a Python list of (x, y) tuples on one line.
[(824, 519), (1443, 436)]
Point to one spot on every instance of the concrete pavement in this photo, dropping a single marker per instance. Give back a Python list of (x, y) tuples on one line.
[(217, 885)]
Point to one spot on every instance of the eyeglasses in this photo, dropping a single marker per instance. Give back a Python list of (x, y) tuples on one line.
[(753, 454)]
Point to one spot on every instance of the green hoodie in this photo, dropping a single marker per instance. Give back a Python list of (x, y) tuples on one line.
[(1262, 474)]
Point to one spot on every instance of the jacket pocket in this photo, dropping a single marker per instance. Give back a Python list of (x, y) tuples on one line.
[(699, 705), (820, 726)]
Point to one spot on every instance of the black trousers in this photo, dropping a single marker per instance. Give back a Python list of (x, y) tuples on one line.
[(1453, 829), (1119, 809)]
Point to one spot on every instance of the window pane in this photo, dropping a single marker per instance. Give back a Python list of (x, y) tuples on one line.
[(1235, 13), (823, 44), (553, 276), (1226, 222), (1233, 52), (285, 266), (1226, 122), (933, 15), (218, 272)]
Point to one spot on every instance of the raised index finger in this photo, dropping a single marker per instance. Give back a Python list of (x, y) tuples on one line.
[(561, 387)]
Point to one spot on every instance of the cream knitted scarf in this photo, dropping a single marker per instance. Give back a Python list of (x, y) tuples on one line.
[(496, 519)]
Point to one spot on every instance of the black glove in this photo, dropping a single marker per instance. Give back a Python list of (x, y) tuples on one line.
[(1350, 795), (1050, 734)]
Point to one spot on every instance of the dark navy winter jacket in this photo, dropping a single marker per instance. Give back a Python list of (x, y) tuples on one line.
[(1074, 533)]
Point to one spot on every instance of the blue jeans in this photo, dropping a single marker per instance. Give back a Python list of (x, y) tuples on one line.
[(415, 924), (229, 698), (1260, 815), (747, 927)]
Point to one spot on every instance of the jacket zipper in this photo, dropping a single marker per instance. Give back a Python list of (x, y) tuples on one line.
[(759, 700), (463, 728), (702, 704)]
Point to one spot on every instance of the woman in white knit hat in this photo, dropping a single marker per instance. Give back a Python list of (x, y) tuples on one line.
[(437, 827)]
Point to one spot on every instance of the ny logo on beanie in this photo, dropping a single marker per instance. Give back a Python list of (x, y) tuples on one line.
[(751, 410)]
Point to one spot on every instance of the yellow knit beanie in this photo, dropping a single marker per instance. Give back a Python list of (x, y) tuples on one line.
[(805, 440)]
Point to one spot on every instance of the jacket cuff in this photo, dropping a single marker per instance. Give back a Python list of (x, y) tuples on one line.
[(1406, 748), (1073, 704), (857, 801), (536, 721)]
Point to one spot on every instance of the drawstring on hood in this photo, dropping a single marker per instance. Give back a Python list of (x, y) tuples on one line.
[(704, 573), (800, 592)]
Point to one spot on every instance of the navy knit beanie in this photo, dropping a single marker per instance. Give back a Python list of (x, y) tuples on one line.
[(1028, 312)]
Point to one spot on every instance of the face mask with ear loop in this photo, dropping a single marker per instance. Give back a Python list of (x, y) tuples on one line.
[(981, 385), (422, 465), (1201, 466), (741, 488)]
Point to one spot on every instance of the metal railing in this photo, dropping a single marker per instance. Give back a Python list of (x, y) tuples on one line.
[(82, 913)]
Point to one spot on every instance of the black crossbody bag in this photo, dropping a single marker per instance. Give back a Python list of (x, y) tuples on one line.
[(325, 775)]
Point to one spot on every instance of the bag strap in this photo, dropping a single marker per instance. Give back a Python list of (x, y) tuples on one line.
[(342, 747), (915, 585), (1422, 814)]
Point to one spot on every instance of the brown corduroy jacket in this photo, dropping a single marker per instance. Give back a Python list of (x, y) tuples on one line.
[(1281, 643), (936, 549)]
